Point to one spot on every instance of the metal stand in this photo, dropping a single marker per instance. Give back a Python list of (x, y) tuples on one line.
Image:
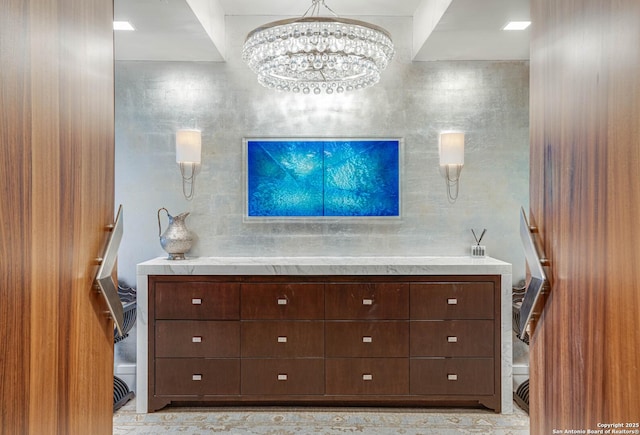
[(128, 296), (521, 395)]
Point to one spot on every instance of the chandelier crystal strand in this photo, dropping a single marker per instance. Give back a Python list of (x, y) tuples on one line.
[(318, 54)]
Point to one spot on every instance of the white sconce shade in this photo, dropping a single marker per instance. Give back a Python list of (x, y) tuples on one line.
[(188, 157), (188, 146), (451, 149)]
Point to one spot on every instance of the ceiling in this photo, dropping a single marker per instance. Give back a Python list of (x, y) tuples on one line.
[(194, 30)]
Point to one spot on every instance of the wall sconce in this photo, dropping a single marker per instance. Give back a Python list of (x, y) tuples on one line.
[(188, 156), (451, 148)]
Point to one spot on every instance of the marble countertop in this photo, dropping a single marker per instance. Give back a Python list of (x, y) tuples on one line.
[(325, 266)]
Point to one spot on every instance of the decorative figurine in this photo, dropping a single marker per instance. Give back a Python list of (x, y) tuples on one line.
[(177, 239)]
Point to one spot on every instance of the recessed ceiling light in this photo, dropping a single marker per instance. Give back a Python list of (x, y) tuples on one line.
[(516, 25), (122, 25)]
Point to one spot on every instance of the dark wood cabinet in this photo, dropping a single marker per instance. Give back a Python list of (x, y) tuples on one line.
[(455, 339), (374, 340)]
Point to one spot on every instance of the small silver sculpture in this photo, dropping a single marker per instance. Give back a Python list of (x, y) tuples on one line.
[(177, 239)]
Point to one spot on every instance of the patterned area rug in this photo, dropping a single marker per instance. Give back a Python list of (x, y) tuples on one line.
[(319, 421)]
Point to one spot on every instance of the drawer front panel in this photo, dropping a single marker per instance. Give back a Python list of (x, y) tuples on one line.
[(197, 338), (283, 376), (282, 339), (197, 377), (367, 376), (468, 338), (455, 300), (451, 376), (347, 301), (367, 339), (197, 300), (282, 301)]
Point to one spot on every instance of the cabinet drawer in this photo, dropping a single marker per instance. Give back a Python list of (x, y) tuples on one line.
[(367, 339), (197, 338), (282, 339), (282, 301), (451, 376), (367, 301), (452, 338), (367, 376), (452, 300), (197, 377), (197, 300), (283, 376)]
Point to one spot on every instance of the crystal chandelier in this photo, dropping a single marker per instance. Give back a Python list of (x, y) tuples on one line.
[(315, 54)]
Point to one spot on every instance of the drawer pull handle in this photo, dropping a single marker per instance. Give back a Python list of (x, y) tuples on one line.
[(282, 377), (196, 339), (452, 301), (196, 377), (452, 377), (452, 339), (367, 377), (196, 301), (282, 339), (367, 302), (367, 339), (282, 301)]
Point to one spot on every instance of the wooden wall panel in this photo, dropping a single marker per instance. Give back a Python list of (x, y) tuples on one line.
[(58, 143), (622, 301), (46, 320), (15, 217), (585, 198)]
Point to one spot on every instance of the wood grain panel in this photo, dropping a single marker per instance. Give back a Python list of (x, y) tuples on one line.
[(453, 300), (57, 135), (15, 218), (196, 300), (282, 339), (452, 376), (585, 198), (197, 376), (293, 300), (197, 339), (622, 305), (46, 274), (367, 339), (367, 376), (303, 376), (452, 338), (367, 300)]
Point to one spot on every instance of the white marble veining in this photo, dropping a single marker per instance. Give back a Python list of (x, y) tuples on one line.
[(324, 266), (431, 265)]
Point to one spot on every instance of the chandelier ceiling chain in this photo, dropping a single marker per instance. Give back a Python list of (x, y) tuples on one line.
[(315, 9), (315, 54)]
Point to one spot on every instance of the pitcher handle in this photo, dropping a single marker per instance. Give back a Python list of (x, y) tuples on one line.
[(160, 226)]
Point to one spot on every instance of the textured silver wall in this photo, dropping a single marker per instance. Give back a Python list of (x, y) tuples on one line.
[(489, 101)]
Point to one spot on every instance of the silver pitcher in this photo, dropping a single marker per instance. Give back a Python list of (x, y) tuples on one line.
[(177, 239)]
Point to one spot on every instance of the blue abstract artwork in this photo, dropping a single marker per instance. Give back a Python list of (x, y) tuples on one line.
[(307, 178)]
